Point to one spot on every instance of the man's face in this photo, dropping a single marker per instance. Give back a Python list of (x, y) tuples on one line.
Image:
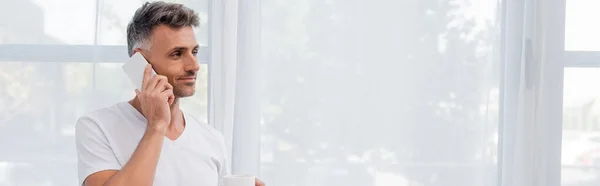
[(173, 54)]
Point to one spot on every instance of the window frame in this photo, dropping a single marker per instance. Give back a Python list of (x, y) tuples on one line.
[(581, 59)]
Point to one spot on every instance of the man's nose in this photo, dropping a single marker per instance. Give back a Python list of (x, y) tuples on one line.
[(191, 64)]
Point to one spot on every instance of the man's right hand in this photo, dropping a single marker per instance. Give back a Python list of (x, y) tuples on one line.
[(155, 98)]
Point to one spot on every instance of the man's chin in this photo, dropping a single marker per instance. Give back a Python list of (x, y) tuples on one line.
[(184, 94), (184, 91)]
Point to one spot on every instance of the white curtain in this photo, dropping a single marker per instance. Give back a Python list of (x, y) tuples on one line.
[(384, 93), (368, 93), (533, 70), (233, 91)]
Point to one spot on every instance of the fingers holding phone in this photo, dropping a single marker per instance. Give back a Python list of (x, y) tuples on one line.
[(158, 83), (155, 97), (169, 93), (147, 76)]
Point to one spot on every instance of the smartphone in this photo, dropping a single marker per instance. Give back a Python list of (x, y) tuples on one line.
[(134, 68)]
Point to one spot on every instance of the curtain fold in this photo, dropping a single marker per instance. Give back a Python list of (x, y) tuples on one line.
[(533, 71), (236, 53), (223, 54), (247, 116)]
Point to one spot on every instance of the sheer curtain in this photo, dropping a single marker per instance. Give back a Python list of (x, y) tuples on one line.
[(367, 92), (533, 70), (403, 93), (379, 92), (60, 59)]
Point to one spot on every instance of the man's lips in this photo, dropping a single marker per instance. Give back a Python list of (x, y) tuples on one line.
[(187, 78)]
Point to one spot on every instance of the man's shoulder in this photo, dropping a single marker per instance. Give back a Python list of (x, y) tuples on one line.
[(99, 116), (104, 112)]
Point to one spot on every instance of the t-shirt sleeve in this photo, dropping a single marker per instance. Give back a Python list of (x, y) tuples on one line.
[(94, 153)]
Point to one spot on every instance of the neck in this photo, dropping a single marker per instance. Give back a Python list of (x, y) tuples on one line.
[(175, 106)]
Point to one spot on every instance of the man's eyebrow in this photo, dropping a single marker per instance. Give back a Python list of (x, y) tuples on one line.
[(178, 48), (183, 48)]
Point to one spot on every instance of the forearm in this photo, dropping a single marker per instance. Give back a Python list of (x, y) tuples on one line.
[(141, 167)]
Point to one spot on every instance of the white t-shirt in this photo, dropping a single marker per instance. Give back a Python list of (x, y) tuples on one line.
[(107, 138)]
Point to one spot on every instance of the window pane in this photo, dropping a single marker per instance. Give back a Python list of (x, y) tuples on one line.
[(47, 21), (41, 102), (57, 22), (353, 96), (581, 25), (581, 127)]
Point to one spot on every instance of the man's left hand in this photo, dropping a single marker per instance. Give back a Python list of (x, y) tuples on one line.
[(257, 182)]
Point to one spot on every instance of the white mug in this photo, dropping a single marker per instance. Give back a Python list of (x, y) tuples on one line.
[(238, 180)]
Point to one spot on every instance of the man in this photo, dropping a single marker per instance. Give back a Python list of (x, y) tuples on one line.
[(149, 140)]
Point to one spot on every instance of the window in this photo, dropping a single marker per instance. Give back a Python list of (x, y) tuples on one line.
[(580, 35), (581, 116), (57, 63)]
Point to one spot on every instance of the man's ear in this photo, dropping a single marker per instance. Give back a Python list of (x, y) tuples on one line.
[(136, 50)]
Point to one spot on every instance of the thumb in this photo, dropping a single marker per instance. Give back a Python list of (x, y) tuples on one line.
[(137, 92)]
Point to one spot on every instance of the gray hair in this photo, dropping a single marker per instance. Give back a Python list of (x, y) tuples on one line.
[(154, 14)]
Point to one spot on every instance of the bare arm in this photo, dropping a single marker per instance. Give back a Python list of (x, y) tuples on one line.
[(140, 168), (155, 98)]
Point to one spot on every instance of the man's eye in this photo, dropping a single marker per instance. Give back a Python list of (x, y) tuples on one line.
[(195, 52), (176, 54)]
